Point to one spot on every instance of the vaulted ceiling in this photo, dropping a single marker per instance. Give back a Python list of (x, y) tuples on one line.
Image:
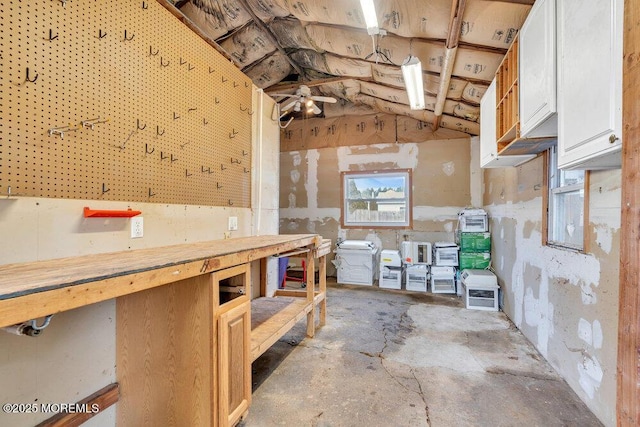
[(324, 44)]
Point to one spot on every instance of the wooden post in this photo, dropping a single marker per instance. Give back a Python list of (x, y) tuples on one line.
[(628, 397), (323, 289), (311, 285)]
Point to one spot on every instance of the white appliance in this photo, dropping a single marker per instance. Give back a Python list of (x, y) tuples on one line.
[(416, 253), (445, 254), (416, 277), (473, 220), (480, 288), (443, 280), (390, 269), (356, 262)]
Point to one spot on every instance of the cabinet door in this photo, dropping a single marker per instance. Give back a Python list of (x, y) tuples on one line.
[(488, 144), (234, 361), (590, 83), (537, 72)]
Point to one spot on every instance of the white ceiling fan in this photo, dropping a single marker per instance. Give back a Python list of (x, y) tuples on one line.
[(301, 99)]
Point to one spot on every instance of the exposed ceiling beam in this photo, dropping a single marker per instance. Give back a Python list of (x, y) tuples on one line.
[(271, 36), (529, 2), (291, 86), (451, 46)]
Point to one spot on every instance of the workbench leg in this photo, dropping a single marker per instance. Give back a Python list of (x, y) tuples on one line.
[(322, 267), (311, 286)]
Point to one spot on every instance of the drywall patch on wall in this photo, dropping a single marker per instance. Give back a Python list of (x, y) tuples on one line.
[(549, 263), (585, 331), (311, 183), (313, 214), (295, 176), (588, 295), (604, 237), (435, 213), (590, 333), (590, 374), (403, 156), (292, 201), (449, 168)]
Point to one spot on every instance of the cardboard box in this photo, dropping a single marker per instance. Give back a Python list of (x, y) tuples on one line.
[(477, 260), (475, 242)]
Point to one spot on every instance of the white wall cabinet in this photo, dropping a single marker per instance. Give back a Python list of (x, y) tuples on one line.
[(537, 72), (488, 146), (589, 84)]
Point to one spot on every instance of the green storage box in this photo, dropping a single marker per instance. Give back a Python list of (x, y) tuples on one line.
[(475, 242), (478, 260)]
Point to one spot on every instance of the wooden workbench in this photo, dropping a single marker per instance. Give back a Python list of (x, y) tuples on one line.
[(183, 354)]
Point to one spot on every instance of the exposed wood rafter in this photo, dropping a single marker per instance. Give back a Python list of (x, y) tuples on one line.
[(451, 48)]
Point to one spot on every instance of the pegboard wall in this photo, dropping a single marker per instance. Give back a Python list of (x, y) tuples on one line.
[(119, 100)]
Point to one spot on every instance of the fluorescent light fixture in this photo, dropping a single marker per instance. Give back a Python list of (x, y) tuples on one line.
[(412, 75), (370, 16)]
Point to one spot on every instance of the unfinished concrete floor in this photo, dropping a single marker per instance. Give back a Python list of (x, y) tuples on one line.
[(394, 358)]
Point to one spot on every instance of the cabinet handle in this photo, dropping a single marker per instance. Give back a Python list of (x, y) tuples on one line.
[(613, 138)]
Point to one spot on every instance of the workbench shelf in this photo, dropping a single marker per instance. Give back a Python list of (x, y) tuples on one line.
[(186, 328)]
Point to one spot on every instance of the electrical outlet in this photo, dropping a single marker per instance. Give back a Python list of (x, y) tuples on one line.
[(233, 223), (137, 227)]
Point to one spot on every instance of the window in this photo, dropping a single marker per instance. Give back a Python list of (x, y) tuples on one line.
[(376, 199), (566, 210)]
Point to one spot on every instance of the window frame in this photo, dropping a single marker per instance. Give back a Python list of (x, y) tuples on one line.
[(553, 187), (407, 224)]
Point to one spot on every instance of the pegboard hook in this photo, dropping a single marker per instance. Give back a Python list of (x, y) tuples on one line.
[(204, 121), (233, 134), (51, 36), (145, 6), (217, 100), (151, 194), (230, 202), (235, 84), (222, 167), (101, 35), (104, 188), (186, 172), (162, 64), (27, 79), (243, 109), (218, 186), (173, 159), (211, 70), (151, 51), (162, 156), (191, 67), (182, 62), (146, 149), (237, 161), (127, 39), (244, 153), (138, 125), (158, 133), (247, 170)]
